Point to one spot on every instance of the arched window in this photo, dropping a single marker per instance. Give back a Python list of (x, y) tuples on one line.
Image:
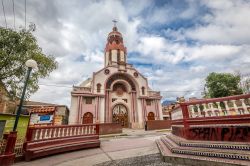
[(118, 56), (143, 90), (120, 76), (98, 87), (119, 88), (110, 55)]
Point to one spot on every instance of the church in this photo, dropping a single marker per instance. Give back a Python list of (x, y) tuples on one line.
[(117, 93)]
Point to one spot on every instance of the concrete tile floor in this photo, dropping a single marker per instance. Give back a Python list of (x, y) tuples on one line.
[(147, 160), (136, 143)]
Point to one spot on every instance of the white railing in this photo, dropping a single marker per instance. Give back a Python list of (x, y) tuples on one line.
[(50, 132), (225, 106), (19, 147)]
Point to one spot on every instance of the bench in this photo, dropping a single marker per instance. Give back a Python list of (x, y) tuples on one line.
[(48, 140)]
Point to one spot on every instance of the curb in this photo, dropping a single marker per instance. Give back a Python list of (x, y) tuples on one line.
[(112, 135)]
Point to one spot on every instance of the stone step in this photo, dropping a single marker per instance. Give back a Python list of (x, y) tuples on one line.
[(209, 152), (174, 153), (209, 144)]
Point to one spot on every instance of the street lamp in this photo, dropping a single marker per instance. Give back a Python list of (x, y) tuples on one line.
[(31, 64)]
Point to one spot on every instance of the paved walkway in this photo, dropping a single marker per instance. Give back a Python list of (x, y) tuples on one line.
[(136, 143)]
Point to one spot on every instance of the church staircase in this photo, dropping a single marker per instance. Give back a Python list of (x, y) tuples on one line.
[(178, 150)]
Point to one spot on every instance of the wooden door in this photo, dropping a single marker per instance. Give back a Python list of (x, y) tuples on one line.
[(87, 118), (151, 116)]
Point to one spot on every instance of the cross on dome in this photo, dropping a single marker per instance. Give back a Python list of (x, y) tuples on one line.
[(114, 21), (114, 28)]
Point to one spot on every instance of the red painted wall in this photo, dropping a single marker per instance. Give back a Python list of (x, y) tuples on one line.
[(215, 133), (158, 124), (110, 128)]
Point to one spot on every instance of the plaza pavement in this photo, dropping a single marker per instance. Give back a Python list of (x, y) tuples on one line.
[(113, 148)]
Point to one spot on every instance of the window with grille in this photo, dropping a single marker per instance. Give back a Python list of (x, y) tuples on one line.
[(143, 90), (148, 102), (98, 86), (89, 100)]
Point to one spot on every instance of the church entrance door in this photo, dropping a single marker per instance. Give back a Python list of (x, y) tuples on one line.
[(120, 115), (87, 118)]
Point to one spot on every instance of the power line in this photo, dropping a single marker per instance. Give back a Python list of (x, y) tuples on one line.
[(68, 86), (25, 13), (181, 91), (14, 14), (4, 15), (54, 85)]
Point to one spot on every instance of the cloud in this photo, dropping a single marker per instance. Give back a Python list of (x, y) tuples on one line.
[(175, 44), (197, 68), (213, 52), (160, 49), (226, 23)]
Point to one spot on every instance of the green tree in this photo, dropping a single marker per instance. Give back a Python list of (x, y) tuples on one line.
[(16, 47), (222, 84)]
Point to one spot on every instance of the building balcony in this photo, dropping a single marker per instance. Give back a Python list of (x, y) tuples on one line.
[(154, 93), (81, 89)]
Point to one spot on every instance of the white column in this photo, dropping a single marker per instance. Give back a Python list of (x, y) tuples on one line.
[(102, 110), (199, 110), (220, 110), (159, 109), (212, 108), (205, 109), (192, 111), (74, 110), (227, 108), (244, 106), (235, 107)]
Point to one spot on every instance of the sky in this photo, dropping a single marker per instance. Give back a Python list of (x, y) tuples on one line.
[(174, 43)]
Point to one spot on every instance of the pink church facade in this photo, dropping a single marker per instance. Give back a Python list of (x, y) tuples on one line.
[(116, 93)]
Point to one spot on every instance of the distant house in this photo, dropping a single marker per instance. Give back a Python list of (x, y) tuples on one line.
[(167, 107), (41, 113), (46, 113)]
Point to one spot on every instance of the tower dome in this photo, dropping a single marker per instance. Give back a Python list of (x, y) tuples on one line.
[(115, 51)]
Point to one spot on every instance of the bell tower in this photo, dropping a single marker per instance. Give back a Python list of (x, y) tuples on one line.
[(115, 51)]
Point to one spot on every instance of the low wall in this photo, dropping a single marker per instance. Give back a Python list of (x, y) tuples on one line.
[(158, 124), (110, 128), (178, 131), (215, 133)]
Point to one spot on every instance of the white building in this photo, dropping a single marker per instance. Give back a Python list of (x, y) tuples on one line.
[(116, 93)]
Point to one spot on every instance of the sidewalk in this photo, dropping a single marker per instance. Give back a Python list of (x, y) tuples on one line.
[(136, 143)]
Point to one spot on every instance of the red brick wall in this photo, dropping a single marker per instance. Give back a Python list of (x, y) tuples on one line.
[(110, 128), (158, 124)]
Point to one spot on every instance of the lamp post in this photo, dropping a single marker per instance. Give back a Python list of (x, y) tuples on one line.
[(9, 155), (31, 64)]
